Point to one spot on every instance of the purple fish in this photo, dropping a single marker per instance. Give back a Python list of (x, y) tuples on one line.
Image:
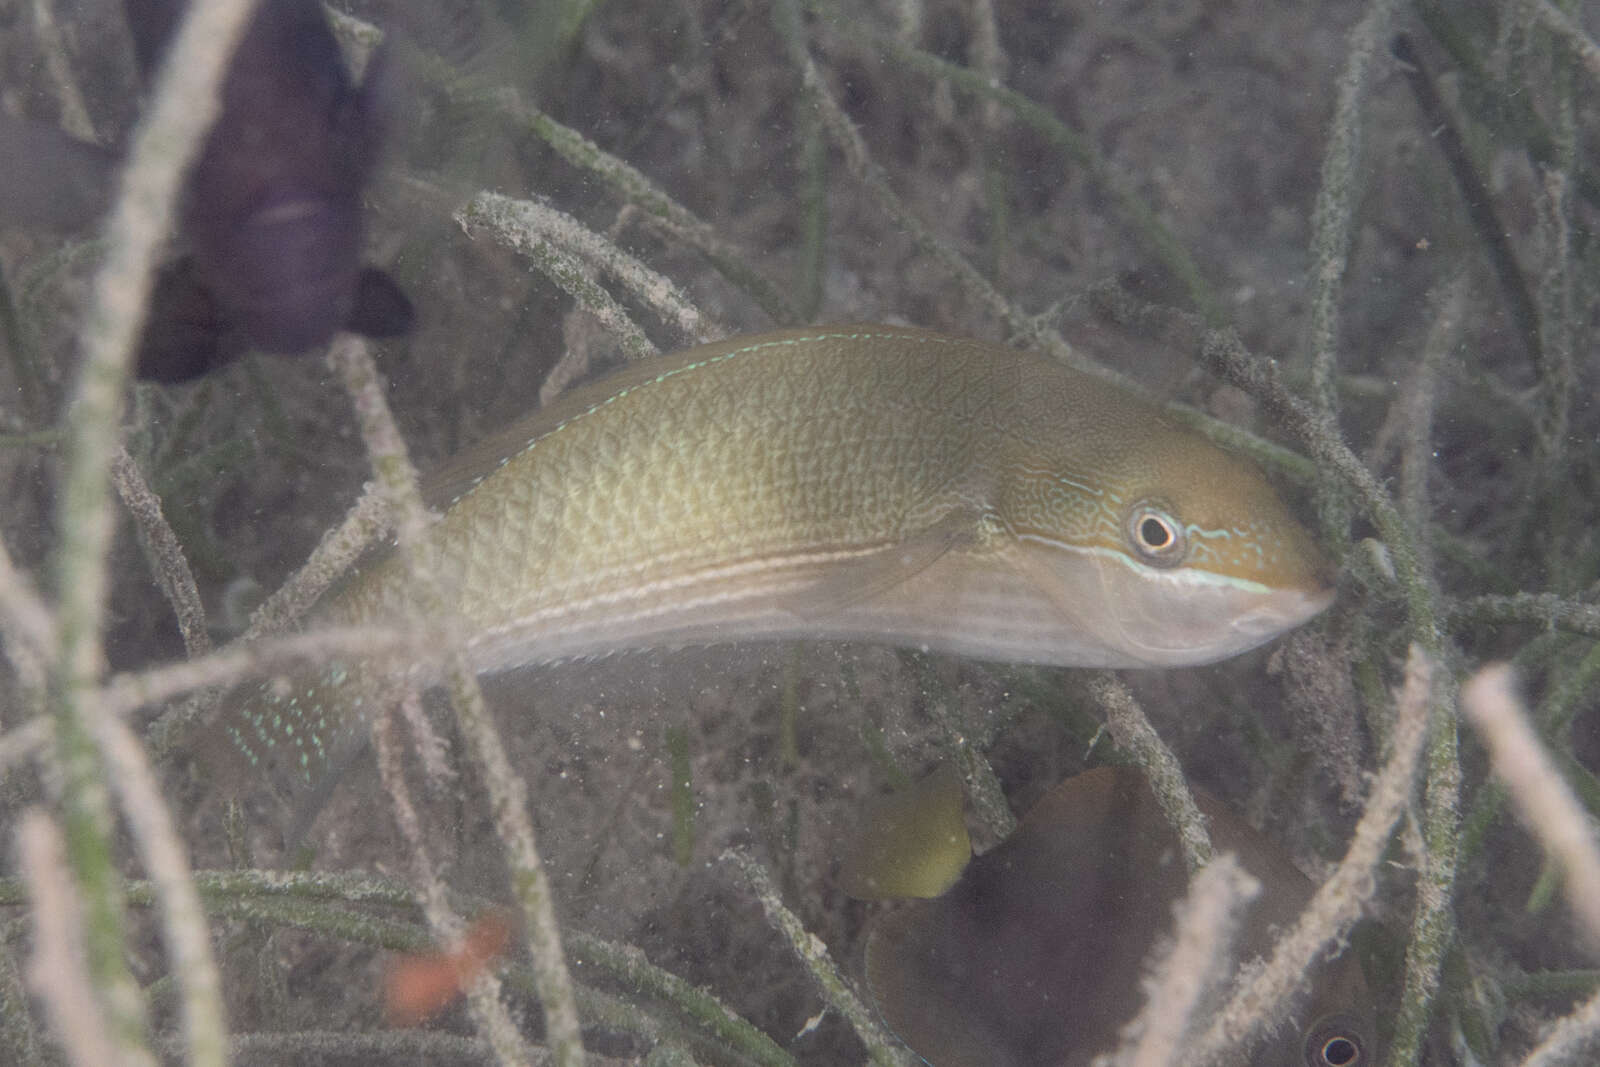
[(272, 214)]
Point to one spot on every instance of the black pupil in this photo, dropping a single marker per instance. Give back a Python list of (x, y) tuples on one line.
[(1339, 1051), (1154, 533)]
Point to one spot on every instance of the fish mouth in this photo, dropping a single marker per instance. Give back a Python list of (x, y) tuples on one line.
[(1182, 619), (1282, 609)]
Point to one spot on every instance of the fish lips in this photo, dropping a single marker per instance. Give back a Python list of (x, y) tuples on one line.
[(1187, 616)]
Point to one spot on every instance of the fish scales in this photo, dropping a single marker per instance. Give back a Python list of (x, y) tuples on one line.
[(719, 463), (857, 482)]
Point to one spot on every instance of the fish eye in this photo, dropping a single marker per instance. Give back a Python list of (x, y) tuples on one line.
[(1335, 1042), (1156, 536)]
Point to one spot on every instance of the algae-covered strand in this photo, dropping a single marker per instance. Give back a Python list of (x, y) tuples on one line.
[(853, 482)]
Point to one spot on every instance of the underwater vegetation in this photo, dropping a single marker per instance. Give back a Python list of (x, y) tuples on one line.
[(1031, 953), (1352, 242)]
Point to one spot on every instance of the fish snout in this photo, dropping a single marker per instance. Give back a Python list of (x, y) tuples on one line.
[(1188, 617), (1280, 610)]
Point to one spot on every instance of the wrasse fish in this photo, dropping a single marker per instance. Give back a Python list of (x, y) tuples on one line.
[(272, 211), (1034, 953), (857, 482)]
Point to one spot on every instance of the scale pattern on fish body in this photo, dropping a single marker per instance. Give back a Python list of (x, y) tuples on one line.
[(861, 482)]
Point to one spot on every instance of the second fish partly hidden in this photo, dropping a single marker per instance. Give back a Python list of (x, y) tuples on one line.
[(272, 215), (860, 482), (1033, 954)]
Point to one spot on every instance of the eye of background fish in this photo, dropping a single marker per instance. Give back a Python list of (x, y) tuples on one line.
[(1335, 1042), (1155, 536)]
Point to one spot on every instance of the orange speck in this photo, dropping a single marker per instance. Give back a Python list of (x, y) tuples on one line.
[(421, 985)]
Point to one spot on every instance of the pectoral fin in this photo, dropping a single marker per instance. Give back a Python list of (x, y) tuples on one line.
[(857, 581)]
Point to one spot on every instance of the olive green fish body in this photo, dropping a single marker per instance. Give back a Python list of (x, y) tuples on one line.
[(695, 497), (847, 482), (858, 482)]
